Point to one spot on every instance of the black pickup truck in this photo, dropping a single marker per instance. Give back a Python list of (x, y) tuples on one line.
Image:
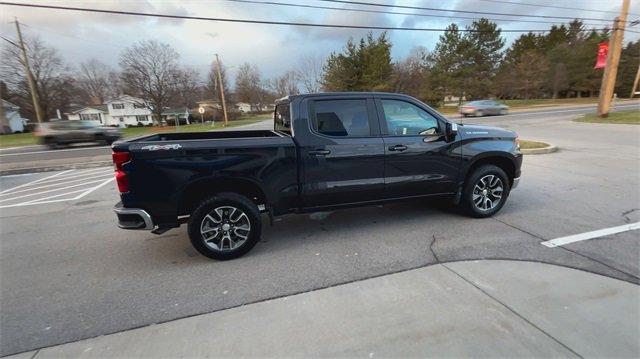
[(326, 151)]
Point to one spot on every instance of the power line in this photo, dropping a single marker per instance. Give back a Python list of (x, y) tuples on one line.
[(553, 6), (246, 21), (460, 11), (387, 12), (9, 41)]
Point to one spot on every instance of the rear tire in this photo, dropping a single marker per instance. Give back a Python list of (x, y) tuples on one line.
[(479, 113), (225, 226), (485, 191)]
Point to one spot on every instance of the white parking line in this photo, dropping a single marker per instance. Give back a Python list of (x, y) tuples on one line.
[(51, 190), (36, 181), (62, 180), (589, 235), (64, 186)]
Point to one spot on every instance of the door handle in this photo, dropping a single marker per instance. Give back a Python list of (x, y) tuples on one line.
[(319, 153), (398, 148)]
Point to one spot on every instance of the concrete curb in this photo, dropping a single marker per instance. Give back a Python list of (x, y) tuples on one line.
[(539, 151), (449, 309), (17, 171)]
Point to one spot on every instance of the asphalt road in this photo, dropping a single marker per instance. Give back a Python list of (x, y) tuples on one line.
[(68, 273)]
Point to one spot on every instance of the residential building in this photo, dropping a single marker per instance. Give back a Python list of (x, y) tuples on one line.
[(98, 114), (12, 113), (128, 110)]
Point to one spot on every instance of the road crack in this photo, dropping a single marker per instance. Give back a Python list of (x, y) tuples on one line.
[(626, 214), (433, 252)]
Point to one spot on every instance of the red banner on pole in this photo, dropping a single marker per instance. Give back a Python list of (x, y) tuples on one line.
[(601, 60)]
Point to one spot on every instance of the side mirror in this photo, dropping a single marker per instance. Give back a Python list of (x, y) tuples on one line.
[(451, 131)]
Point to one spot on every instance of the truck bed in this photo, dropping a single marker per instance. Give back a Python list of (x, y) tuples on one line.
[(213, 135)]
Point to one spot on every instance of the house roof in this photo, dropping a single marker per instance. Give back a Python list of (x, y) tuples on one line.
[(124, 98), (10, 105), (102, 108)]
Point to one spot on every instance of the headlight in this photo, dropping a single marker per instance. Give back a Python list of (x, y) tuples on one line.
[(517, 141)]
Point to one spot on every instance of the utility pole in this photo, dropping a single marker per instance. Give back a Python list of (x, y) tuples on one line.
[(613, 58), (4, 124), (224, 104), (27, 70)]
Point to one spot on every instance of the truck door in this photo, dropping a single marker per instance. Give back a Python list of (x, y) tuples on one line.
[(342, 151), (418, 160)]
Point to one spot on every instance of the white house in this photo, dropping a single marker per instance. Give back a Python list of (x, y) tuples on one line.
[(12, 113), (128, 110), (247, 107), (98, 114)]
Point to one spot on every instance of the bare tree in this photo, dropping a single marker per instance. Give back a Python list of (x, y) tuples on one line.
[(187, 86), (50, 75), (531, 71), (409, 74), (97, 81), (150, 71), (310, 74), (248, 86), (284, 85)]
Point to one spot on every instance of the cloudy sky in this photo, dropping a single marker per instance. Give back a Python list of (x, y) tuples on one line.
[(80, 36)]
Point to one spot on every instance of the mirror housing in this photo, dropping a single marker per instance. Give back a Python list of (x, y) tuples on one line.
[(451, 131)]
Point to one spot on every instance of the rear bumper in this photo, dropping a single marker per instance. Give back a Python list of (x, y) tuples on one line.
[(133, 218)]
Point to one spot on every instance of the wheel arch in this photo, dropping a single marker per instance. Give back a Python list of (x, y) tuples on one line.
[(505, 161), (201, 189)]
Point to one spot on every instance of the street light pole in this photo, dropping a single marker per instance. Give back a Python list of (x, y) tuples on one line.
[(224, 104)]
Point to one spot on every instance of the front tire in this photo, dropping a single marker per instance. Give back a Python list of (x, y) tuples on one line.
[(485, 191), (479, 113), (225, 226)]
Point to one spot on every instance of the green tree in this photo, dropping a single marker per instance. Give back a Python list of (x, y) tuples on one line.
[(450, 63), (484, 51), (629, 64), (363, 67)]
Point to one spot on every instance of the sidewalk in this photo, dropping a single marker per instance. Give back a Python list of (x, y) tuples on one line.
[(473, 308)]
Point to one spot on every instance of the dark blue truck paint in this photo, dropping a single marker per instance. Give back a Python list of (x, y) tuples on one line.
[(294, 169)]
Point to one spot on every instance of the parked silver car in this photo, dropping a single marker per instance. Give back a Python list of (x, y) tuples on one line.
[(483, 108), (57, 133)]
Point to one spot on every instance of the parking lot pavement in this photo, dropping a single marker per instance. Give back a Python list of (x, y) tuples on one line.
[(68, 273)]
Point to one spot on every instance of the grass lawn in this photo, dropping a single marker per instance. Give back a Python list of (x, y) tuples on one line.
[(17, 140), (631, 117), (27, 139), (527, 145)]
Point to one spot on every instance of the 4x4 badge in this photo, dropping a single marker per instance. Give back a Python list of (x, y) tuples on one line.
[(161, 147)]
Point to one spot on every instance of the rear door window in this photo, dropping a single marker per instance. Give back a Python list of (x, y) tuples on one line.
[(341, 118)]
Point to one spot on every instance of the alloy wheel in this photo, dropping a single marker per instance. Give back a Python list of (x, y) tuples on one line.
[(225, 228), (487, 193)]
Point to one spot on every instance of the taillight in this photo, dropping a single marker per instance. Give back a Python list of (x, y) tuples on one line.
[(119, 159), (517, 143)]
